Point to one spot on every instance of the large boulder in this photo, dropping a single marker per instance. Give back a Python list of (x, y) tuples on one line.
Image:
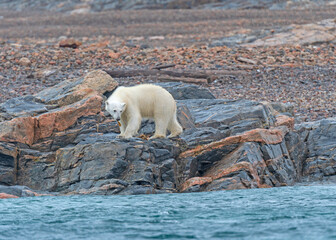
[(29, 119)]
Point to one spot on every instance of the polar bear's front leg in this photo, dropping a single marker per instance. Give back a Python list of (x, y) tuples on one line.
[(133, 126), (122, 127)]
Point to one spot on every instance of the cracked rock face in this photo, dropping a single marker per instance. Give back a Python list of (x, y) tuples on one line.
[(60, 141), (320, 148)]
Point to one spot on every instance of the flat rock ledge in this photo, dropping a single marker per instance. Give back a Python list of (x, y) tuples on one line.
[(60, 141)]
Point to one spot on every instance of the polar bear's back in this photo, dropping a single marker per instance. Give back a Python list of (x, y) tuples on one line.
[(149, 99)]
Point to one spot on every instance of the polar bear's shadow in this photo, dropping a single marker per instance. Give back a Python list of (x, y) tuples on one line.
[(147, 127)]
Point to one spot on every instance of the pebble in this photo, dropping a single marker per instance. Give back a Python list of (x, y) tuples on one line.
[(24, 61), (69, 43)]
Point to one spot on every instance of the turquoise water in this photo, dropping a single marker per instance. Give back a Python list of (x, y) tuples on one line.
[(278, 213)]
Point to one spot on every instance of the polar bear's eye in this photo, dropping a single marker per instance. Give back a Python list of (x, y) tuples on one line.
[(114, 110)]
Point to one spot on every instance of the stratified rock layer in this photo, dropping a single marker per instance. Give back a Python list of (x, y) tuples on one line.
[(60, 141), (320, 150)]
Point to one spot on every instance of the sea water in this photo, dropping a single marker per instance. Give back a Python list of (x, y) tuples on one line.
[(303, 212)]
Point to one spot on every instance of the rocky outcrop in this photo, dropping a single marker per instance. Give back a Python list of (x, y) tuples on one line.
[(308, 34), (20, 191), (320, 150), (296, 35), (60, 141)]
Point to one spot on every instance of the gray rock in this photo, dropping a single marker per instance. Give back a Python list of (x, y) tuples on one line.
[(86, 166), (236, 115), (226, 144), (320, 139), (21, 106), (182, 91), (8, 154), (21, 191)]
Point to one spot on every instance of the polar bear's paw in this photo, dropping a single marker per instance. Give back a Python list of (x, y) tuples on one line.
[(173, 135), (157, 136), (123, 136)]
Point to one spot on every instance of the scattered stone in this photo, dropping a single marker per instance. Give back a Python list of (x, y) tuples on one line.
[(246, 60), (156, 38), (24, 61), (45, 73), (80, 11), (70, 43)]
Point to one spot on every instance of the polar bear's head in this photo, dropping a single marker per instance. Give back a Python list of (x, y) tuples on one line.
[(115, 109)]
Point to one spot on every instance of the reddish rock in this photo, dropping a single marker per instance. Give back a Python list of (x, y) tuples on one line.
[(283, 120), (71, 91), (99, 81), (5, 195), (219, 172), (267, 136), (30, 129), (114, 55), (195, 181), (34, 194), (66, 116), (19, 129), (70, 43), (74, 96)]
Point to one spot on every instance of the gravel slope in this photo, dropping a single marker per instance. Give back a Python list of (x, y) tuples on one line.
[(302, 75)]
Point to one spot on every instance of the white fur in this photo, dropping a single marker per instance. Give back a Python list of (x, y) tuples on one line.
[(132, 104)]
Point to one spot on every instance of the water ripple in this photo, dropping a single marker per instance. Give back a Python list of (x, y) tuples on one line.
[(278, 213)]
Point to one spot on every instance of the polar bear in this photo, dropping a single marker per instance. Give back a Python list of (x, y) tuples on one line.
[(130, 105)]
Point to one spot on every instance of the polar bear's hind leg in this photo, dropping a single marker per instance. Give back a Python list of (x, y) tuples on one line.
[(161, 125), (174, 127)]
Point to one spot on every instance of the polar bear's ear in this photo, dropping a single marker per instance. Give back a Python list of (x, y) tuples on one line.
[(123, 106)]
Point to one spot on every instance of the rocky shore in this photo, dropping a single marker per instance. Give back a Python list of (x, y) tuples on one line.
[(260, 112), (59, 141)]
